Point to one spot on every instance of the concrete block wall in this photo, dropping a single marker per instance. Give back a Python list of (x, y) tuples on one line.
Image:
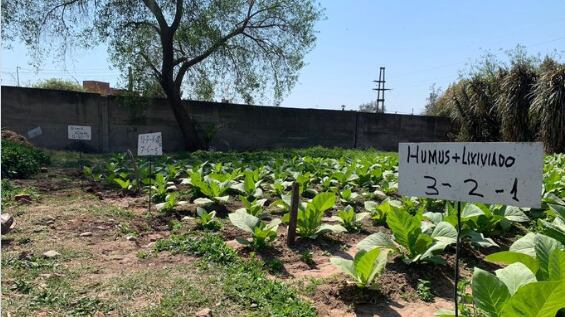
[(238, 127)]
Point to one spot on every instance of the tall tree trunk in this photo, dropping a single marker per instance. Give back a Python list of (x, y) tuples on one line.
[(186, 124)]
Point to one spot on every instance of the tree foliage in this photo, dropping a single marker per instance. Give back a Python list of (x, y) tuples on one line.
[(193, 48), (518, 102), (59, 84)]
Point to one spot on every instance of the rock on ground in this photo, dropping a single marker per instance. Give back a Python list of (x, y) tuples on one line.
[(7, 223), (51, 254), (206, 312)]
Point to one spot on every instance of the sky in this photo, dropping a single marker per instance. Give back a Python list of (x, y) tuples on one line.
[(420, 43)]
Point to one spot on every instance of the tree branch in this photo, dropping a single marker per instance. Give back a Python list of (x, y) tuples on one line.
[(140, 23), (178, 16), (158, 13), (148, 61)]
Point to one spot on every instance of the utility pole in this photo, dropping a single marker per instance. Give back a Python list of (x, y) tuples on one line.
[(381, 90), (130, 79), (18, 75)]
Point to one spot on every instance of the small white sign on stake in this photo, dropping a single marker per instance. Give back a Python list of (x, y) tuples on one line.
[(490, 172), (149, 144), (35, 132), (80, 132)]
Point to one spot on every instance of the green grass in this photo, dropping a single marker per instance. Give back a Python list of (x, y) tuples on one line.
[(245, 281)]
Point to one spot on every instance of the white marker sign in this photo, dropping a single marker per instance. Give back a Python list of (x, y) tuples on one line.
[(150, 144), (34, 133), (502, 173), (80, 132)]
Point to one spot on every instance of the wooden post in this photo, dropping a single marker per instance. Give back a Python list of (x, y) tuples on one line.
[(291, 237)]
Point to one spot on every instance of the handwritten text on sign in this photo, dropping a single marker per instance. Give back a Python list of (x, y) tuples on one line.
[(504, 173), (150, 144), (80, 132)]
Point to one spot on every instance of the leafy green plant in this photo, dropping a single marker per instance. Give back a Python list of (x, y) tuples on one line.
[(350, 219), (169, 204), (213, 189), (250, 186), (261, 233), (21, 160), (159, 188), (365, 267), (307, 257), (279, 187), (533, 250), (424, 291), (410, 240), (207, 220), (379, 211), (253, 207), (347, 196), (309, 218), (555, 228)]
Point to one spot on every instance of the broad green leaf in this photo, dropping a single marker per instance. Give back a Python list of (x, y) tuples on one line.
[(536, 299), (478, 238), (201, 211), (330, 228), (360, 216), (222, 199), (323, 201), (434, 217), (555, 229), (244, 221), (274, 224), (525, 245), (471, 210), (558, 209), (544, 247), (376, 240), (370, 205), (509, 257), (489, 293), (345, 265), (379, 266), (515, 276), (364, 262), (405, 228), (445, 231), (515, 214), (203, 201), (557, 266)]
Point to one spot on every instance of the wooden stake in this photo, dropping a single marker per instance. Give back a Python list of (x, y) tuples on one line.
[(291, 237)]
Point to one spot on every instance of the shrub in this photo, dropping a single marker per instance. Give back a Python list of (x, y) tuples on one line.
[(21, 160), (59, 84)]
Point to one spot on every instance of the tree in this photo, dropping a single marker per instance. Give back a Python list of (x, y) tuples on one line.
[(370, 106), (59, 84), (431, 107), (253, 46)]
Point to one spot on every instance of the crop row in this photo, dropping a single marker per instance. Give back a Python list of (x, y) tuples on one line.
[(352, 187)]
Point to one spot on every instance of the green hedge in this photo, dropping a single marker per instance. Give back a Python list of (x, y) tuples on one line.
[(21, 160)]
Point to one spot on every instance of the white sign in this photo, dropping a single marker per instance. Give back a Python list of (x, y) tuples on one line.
[(150, 144), (79, 132), (34, 133), (503, 173)]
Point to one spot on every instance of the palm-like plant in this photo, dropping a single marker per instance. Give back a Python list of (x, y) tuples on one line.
[(548, 107), (514, 102)]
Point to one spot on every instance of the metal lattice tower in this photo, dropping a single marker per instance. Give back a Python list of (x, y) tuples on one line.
[(381, 90)]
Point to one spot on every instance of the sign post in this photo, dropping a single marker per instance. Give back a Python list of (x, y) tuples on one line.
[(489, 172), (150, 144), (79, 132)]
